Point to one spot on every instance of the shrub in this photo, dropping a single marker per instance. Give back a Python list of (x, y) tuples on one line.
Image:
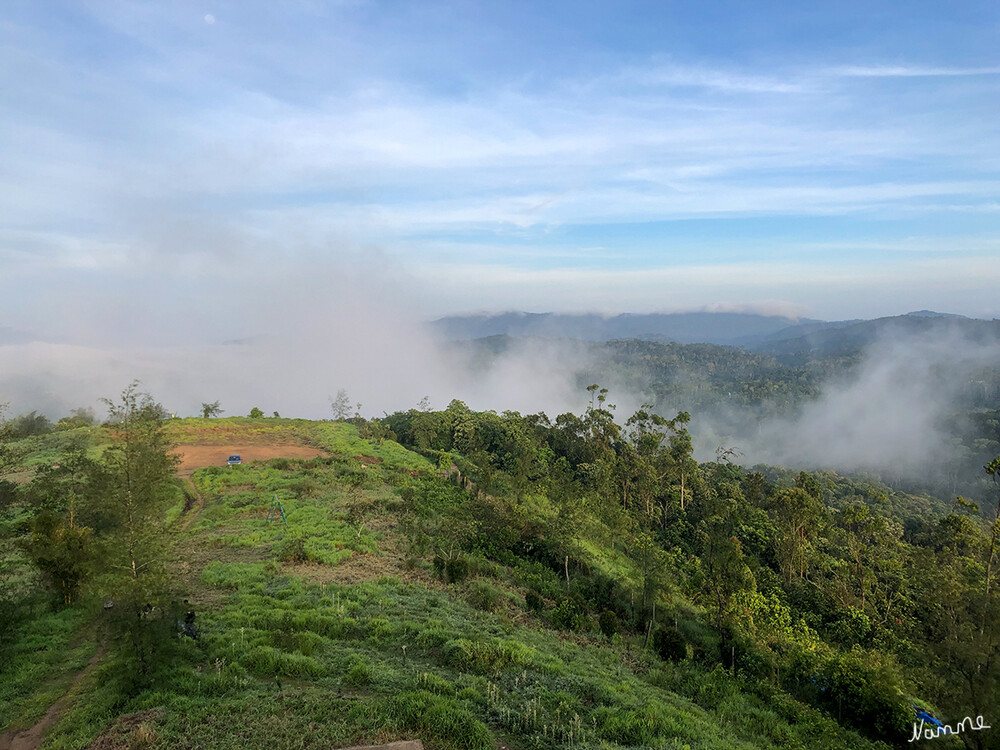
[(435, 684), (252, 576), (533, 602), (484, 596), (571, 613), (852, 628), (714, 688), (670, 644), (643, 727), (359, 671), (293, 549), (266, 661), (608, 622), (434, 637), (456, 570), (486, 657), (866, 688)]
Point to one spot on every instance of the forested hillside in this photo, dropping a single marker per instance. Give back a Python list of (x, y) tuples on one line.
[(735, 391), (475, 579)]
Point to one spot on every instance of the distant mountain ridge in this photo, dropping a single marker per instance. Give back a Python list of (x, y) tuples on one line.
[(686, 328), (777, 335), (848, 337)]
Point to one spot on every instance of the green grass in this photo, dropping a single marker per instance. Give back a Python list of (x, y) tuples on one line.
[(388, 660), (344, 439), (47, 652)]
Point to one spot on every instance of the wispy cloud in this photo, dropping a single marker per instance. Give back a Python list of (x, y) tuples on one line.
[(664, 75), (910, 71), (283, 133)]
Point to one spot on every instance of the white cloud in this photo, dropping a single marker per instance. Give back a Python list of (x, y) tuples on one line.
[(910, 71)]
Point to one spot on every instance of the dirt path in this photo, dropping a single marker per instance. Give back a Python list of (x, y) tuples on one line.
[(31, 739), (198, 499)]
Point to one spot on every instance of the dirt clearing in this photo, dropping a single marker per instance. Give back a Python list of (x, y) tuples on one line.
[(199, 456)]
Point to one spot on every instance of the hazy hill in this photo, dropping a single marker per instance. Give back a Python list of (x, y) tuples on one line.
[(794, 341), (694, 327), (848, 338)]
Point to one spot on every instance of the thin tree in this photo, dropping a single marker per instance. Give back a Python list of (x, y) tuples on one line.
[(139, 468), (211, 410), (993, 469), (341, 406)]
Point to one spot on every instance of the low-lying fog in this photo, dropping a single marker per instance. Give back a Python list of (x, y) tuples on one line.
[(288, 345)]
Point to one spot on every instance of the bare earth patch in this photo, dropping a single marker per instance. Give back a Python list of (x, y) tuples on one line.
[(199, 456), (129, 732), (357, 568)]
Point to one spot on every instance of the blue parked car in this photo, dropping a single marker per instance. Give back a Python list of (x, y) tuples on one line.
[(235, 459)]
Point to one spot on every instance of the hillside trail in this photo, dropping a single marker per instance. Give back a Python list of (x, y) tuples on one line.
[(31, 739), (197, 511)]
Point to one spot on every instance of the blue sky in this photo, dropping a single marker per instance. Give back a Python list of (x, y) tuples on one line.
[(223, 161)]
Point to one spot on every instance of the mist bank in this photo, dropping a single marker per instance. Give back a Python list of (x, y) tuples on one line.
[(914, 403), (898, 412), (896, 406), (297, 375)]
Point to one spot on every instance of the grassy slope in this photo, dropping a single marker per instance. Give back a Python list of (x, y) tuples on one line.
[(327, 631)]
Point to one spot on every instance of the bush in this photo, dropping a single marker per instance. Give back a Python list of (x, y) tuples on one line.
[(433, 683), (484, 596), (486, 656), (533, 602), (571, 613), (293, 549), (359, 671), (669, 644), (456, 570), (866, 691), (608, 622), (753, 662), (267, 661), (853, 627), (451, 570), (643, 727)]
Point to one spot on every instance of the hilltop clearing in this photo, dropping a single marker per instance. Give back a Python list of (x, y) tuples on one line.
[(193, 457)]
